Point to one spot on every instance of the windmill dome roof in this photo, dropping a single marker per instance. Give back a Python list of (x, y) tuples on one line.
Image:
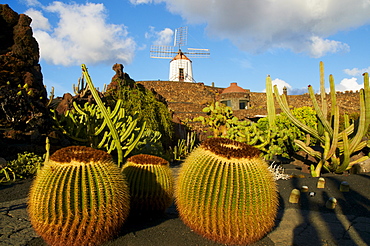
[(233, 88), (180, 56)]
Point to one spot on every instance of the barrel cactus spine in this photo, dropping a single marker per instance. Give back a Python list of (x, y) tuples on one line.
[(79, 197), (226, 193), (151, 183)]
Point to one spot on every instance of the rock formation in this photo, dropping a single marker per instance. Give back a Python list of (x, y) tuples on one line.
[(23, 96)]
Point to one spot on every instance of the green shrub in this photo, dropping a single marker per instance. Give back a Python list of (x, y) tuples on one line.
[(136, 98), (278, 140), (219, 119), (150, 144)]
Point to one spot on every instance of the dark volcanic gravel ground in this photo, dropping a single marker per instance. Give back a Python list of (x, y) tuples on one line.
[(168, 229)]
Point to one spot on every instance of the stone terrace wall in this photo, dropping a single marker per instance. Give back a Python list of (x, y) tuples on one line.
[(188, 99), (348, 102), (175, 91)]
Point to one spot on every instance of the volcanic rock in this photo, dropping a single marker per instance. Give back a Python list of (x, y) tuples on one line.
[(23, 96)]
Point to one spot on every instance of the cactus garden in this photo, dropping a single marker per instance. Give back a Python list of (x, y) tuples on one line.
[(170, 163), (214, 179)]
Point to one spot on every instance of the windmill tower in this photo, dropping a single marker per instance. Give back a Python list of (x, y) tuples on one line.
[(180, 65)]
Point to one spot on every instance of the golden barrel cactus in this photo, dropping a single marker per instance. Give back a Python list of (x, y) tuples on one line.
[(79, 197), (226, 193), (151, 183)]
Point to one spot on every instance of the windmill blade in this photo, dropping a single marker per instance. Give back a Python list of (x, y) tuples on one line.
[(181, 37), (197, 53), (162, 51)]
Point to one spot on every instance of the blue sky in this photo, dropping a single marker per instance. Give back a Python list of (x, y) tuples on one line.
[(248, 40)]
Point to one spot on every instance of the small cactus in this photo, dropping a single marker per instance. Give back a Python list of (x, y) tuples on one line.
[(79, 197), (226, 193), (151, 183)]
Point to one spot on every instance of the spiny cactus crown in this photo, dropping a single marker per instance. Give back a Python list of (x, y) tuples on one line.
[(230, 148), (80, 154), (144, 159)]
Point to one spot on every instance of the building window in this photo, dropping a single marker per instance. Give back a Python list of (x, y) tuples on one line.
[(181, 74), (243, 104), (226, 102)]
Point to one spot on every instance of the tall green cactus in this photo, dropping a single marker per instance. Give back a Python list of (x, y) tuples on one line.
[(337, 146), (226, 193), (113, 129), (79, 197), (151, 183), (271, 113)]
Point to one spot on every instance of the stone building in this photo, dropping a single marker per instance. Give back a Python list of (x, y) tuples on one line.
[(235, 97)]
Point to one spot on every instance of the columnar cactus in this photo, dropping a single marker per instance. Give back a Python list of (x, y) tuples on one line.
[(151, 183), (79, 197), (337, 146), (226, 193), (271, 113), (119, 132)]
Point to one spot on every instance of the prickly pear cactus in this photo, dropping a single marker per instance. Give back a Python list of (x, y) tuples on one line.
[(79, 197), (151, 183), (226, 193)]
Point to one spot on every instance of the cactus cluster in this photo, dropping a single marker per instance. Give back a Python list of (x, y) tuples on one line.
[(101, 127), (338, 146), (151, 183), (272, 135), (270, 141), (79, 197), (184, 146), (87, 125), (226, 193), (220, 118)]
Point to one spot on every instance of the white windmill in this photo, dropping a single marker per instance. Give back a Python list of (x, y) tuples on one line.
[(180, 65)]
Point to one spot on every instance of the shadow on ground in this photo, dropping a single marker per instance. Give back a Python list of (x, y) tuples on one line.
[(347, 224)]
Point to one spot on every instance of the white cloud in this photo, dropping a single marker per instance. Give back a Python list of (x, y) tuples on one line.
[(298, 91), (140, 1), (262, 25), (281, 84), (290, 91), (39, 22), (320, 47), (349, 85), (164, 37), (82, 35), (30, 3), (356, 71)]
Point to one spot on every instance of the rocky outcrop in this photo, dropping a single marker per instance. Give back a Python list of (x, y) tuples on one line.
[(23, 96)]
